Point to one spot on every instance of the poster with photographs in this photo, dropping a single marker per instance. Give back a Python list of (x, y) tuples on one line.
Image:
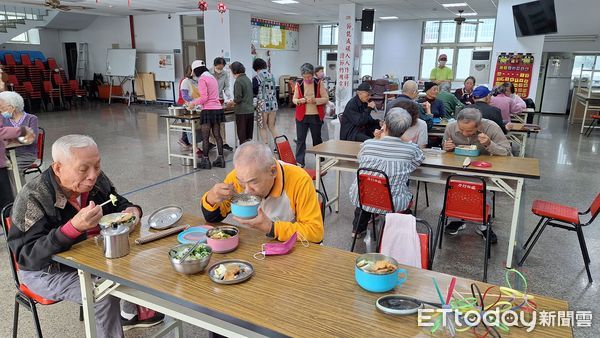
[(515, 68)]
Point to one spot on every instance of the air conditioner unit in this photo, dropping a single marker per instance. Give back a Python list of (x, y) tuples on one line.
[(331, 67), (480, 66)]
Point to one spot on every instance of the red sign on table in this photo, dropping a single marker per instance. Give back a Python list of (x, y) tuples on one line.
[(515, 68)]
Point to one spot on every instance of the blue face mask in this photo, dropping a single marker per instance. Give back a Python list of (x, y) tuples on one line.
[(6, 115)]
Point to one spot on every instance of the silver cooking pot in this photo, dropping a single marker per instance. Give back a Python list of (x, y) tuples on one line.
[(116, 241)]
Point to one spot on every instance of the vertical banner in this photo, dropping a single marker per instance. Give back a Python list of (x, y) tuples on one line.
[(346, 57), (517, 69)]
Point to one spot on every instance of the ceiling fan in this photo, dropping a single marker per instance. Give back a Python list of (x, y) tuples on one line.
[(461, 19), (55, 4)]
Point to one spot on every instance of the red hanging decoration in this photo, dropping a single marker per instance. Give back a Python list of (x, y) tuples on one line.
[(128, 3), (202, 6), (222, 8)]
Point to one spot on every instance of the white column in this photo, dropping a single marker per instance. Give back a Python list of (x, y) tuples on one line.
[(506, 41), (217, 37), (348, 62)]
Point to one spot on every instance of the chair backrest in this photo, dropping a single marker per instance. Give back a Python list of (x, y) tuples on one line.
[(464, 198), (48, 87), (28, 86), (25, 60), (73, 84), (286, 154), (13, 79), (57, 79), (374, 190), (6, 223), (39, 64), (426, 242), (595, 208), (52, 64), (41, 140), (9, 59)]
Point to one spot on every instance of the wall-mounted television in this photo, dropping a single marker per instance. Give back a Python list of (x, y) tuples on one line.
[(535, 18)]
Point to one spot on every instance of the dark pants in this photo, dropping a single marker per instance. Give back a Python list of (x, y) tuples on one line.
[(359, 224), (312, 122), (6, 195), (364, 135), (244, 123)]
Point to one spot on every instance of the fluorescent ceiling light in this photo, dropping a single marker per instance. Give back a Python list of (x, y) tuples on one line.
[(388, 17), (460, 4), (290, 13), (285, 2), (468, 14)]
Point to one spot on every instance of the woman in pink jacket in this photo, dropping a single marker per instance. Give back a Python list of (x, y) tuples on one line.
[(212, 114), (10, 133)]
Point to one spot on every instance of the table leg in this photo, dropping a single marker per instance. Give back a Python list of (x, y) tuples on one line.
[(87, 301), (585, 110), (384, 104), (15, 168), (194, 144), (337, 190), (524, 146), (514, 223), (317, 171), (168, 122)]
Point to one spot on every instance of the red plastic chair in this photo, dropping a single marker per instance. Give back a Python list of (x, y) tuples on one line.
[(287, 155), (25, 60), (33, 95), (36, 166), (51, 94), (595, 121), (565, 217), (426, 241), (23, 296), (65, 89), (465, 199), (52, 65), (9, 60), (39, 64), (373, 191), (76, 89)]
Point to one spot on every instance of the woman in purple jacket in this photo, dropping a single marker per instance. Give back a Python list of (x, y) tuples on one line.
[(11, 106), (212, 114)]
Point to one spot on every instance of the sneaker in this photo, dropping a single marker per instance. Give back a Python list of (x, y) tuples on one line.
[(493, 237), (134, 322), (454, 227), (275, 151), (227, 147)]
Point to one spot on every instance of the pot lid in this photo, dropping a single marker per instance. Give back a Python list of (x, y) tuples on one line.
[(113, 231)]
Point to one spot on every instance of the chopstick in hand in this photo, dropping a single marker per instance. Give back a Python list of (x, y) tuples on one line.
[(112, 198)]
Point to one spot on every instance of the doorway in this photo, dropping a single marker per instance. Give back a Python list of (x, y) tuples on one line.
[(71, 53)]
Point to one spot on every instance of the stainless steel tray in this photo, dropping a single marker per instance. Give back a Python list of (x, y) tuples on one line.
[(165, 217)]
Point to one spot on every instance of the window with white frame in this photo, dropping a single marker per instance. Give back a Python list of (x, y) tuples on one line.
[(328, 43), (31, 37), (456, 41)]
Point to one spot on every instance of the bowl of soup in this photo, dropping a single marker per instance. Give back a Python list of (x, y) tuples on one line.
[(245, 206)]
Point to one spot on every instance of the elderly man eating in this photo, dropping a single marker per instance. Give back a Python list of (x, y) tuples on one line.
[(471, 129), (289, 200), (58, 209)]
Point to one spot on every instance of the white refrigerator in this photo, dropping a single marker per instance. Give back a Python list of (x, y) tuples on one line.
[(557, 85)]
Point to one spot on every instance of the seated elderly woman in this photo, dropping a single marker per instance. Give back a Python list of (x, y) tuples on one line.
[(397, 158), (12, 106)]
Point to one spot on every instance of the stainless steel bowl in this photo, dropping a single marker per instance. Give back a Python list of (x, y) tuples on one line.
[(189, 266), (186, 161)]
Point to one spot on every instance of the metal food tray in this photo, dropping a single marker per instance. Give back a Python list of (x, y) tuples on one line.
[(165, 217)]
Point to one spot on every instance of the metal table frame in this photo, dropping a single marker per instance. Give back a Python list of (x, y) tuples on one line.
[(14, 166), (176, 126)]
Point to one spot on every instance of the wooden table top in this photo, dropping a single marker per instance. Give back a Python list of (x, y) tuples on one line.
[(310, 292), (524, 167)]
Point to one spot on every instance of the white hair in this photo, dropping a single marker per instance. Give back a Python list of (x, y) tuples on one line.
[(253, 153), (13, 99), (61, 148)]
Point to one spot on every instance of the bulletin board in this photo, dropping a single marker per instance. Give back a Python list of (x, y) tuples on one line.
[(269, 34), (161, 64), (515, 68), (120, 62)]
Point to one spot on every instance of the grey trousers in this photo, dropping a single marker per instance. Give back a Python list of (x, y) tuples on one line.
[(64, 285)]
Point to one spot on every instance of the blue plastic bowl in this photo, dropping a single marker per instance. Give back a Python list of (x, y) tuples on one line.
[(245, 206), (465, 152), (373, 282)]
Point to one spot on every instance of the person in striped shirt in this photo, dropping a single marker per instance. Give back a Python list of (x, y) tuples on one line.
[(397, 158)]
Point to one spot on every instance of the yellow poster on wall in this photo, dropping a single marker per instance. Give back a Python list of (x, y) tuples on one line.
[(269, 34)]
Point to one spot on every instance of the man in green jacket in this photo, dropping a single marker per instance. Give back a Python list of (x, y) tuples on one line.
[(451, 103), (242, 99)]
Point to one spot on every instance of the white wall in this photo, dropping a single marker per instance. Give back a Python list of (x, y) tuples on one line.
[(575, 20), (157, 33), (49, 45), (397, 48), (505, 40), (239, 28)]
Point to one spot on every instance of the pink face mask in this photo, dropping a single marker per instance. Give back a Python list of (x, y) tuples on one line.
[(272, 249)]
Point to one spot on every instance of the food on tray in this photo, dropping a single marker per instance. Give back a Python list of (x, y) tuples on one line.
[(220, 235), (228, 272), (114, 220), (465, 147), (200, 252), (377, 267)]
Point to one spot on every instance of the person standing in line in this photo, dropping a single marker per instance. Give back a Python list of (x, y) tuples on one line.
[(186, 87), (211, 115), (264, 88), (242, 102), (222, 75), (310, 98)]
